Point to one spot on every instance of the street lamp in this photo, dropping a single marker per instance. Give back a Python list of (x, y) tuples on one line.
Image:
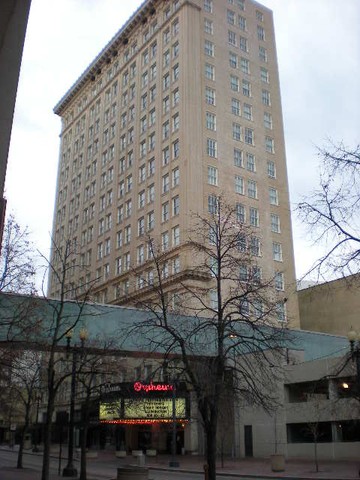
[(70, 470), (354, 339)]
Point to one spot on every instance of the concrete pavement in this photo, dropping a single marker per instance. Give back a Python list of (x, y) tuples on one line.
[(246, 468)]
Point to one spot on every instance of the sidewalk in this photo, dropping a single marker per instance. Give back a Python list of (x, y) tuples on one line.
[(247, 468)]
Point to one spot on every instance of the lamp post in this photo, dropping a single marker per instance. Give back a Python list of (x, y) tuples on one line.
[(354, 339), (70, 470)]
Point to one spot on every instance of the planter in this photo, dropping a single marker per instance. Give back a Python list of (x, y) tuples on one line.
[(277, 462), (120, 453), (131, 472)]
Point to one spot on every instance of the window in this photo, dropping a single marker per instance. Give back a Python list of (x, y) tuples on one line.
[(165, 156), (269, 144), (150, 220), (236, 131), (176, 149), (140, 254), (240, 4), (273, 196), (249, 136), (107, 247), (232, 38), (247, 111), (165, 212), (263, 54), (243, 44), (245, 65), (254, 217), (120, 214), (175, 122), (151, 193), (240, 213), (213, 297), (281, 311), (166, 81), (260, 33), (175, 177), (246, 88), (151, 167), (259, 16), (127, 232), (209, 48), (141, 199), (277, 251), (212, 176), (252, 189), (210, 96), (208, 6), (211, 147), (250, 162), (210, 121), (165, 183), (166, 130), (119, 240), (127, 261), (175, 27), (142, 173), (238, 158), (242, 23), (164, 241), (279, 281), (234, 83), (166, 105), (166, 58), (243, 273), (208, 26), (128, 208), (118, 265), (235, 107), (141, 226), (175, 71), (265, 97), (176, 236), (239, 184), (166, 36), (233, 60), (176, 205), (230, 15), (212, 204), (176, 265), (175, 97), (271, 169), (209, 71), (275, 223), (264, 75), (267, 120)]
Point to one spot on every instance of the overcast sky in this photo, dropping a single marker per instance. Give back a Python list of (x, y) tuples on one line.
[(318, 45)]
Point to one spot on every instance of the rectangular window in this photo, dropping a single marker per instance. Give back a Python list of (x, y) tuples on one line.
[(255, 250), (210, 96), (277, 251), (243, 44), (264, 75), (175, 177), (165, 183), (230, 15), (208, 6), (165, 212), (210, 121), (209, 48), (236, 132), (250, 162), (247, 111), (212, 176), (249, 136), (240, 213), (254, 217), (252, 189), (176, 149), (263, 54), (141, 199), (176, 205), (209, 71), (239, 184), (246, 88), (233, 60), (150, 221), (238, 158), (212, 204), (242, 23), (234, 83), (269, 145), (176, 236), (211, 148), (164, 241), (208, 26), (235, 107), (232, 38), (275, 223), (271, 169), (267, 120), (260, 33), (279, 281), (245, 65), (265, 97), (273, 196)]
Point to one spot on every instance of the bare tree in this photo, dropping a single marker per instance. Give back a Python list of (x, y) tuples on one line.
[(17, 268), (332, 211), (233, 333)]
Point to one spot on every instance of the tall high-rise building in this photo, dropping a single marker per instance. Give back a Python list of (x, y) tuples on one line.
[(181, 105)]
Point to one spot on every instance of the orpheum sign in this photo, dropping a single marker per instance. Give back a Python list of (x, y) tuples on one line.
[(151, 402)]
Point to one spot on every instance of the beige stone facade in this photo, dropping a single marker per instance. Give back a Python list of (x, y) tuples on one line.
[(182, 104), (332, 307)]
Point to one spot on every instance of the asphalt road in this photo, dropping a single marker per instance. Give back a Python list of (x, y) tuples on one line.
[(99, 470)]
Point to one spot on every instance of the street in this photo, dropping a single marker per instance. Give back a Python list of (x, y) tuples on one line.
[(96, 469)]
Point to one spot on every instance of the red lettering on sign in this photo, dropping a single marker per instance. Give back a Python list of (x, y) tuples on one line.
[(150, 387)]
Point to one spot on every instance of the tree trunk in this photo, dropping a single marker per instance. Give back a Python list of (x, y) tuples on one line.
[(21, 449), (47, 438), (210, 428)]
